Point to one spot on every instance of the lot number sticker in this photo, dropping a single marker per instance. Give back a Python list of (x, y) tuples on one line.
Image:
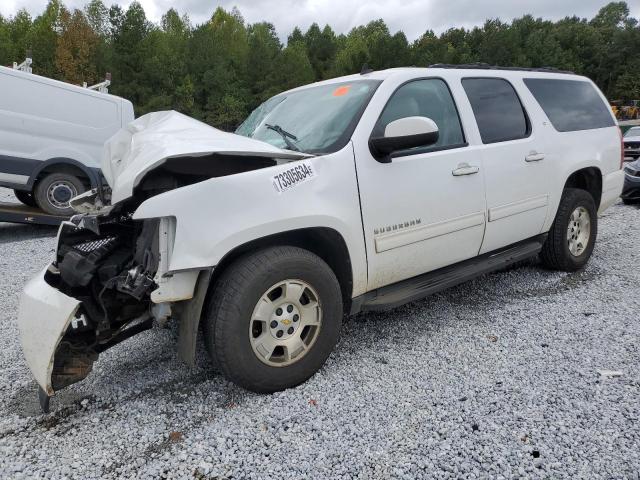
[(292, 177)]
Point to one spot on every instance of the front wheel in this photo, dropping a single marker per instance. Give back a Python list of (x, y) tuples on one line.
[(273, 319), (573, 234)]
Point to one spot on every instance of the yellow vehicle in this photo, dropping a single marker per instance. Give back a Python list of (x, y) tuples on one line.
[(626, 110)]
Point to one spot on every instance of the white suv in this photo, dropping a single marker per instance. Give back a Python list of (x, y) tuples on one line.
[(357, 193)]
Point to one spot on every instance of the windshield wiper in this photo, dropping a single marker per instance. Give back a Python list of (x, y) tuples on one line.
[(285, 136)]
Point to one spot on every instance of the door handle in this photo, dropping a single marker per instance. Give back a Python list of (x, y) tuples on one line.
[(534, 157), (465, 169)]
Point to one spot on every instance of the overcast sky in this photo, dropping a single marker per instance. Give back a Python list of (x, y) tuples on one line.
[(411, 16)]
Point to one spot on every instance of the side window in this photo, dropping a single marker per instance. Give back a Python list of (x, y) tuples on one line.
[(425, 98), (497, 108), (570, 104)]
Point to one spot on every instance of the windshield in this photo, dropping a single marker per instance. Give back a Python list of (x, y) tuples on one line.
[(315, 120), (633, 132)]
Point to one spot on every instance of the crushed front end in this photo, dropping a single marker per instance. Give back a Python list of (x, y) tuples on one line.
[(95, 294), (111, 276)]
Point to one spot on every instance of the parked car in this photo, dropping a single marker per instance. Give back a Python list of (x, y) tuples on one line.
[(631, 140), (51, 137), (631, 189), (353, 194)]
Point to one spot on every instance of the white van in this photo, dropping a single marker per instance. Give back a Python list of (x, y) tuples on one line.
[(51, 137)]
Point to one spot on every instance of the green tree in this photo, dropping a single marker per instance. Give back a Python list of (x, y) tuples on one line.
[(6, 42), (42, 39), (264, 49), (220, 70), (128, 31), (19, 28), (164, 64), (321, 48), (218, 63), (293, 67)]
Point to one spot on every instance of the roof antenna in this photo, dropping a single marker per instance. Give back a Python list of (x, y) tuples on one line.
[(366, 69)]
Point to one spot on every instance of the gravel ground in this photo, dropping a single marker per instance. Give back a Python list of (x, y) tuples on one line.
[(495, 378)]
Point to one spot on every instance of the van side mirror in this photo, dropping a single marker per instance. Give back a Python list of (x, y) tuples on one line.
[(402, 134)]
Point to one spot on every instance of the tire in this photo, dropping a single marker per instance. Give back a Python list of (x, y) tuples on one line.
[(628, 201), (25, 197), (556, 252), (53, 192), (233, 338)]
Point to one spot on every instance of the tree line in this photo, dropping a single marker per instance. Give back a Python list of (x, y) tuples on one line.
[(220, 70)]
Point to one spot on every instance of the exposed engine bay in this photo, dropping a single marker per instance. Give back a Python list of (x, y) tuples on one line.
[(111, 271)]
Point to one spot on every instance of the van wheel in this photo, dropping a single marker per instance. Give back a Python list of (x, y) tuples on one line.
[(25, 197), (54, 191), (273, 318), (573, 233)]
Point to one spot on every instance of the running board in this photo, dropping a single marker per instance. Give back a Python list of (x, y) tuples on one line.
[(429, 283)]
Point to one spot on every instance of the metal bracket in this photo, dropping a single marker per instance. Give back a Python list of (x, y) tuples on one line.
[(24, 66)]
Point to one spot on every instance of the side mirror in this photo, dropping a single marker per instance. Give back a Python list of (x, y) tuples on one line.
[(402, 134)]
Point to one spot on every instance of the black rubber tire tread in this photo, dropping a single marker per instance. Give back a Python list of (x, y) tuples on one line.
[(25, 197), (628, 201), (231, 303), (40, 192), (555, 252)]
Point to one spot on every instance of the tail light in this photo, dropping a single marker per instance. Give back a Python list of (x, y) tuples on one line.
[(621, 148)]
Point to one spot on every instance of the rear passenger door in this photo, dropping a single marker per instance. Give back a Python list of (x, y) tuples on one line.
[(513, 156)]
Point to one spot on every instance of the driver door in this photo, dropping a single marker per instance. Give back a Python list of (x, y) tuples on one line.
[(426, 208)]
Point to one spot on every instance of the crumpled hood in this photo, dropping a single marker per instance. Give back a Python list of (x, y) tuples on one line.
[(148, 141)]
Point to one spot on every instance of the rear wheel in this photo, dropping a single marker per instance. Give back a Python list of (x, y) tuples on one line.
[(273, 318), (573, 234), (54, 191), (25, 197)]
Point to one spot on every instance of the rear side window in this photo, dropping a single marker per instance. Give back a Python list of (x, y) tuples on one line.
[(497, 108), (570, 104)]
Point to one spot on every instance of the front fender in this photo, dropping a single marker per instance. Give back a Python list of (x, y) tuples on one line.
[(215, 216)]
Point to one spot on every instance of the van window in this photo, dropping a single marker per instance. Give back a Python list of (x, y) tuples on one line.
[(29, 96), (570, 104), (424, 98), (497, 108)]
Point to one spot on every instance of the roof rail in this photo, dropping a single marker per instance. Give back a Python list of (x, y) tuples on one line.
[(486, 66)]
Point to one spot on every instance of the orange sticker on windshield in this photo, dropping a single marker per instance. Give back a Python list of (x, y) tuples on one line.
[(340, 91)]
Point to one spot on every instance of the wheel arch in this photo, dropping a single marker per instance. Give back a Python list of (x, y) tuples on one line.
[(588, 179), (64, 165), (325, 242)]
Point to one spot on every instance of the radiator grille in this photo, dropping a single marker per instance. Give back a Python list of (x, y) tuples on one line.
[(88, 247)]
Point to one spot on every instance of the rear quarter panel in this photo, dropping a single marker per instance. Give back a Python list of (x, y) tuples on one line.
[(569, 152)]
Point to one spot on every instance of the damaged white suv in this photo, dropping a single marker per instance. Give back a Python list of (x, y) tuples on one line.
[(357, 193)]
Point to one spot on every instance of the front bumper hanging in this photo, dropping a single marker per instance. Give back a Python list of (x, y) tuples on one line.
[(44, 316)]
